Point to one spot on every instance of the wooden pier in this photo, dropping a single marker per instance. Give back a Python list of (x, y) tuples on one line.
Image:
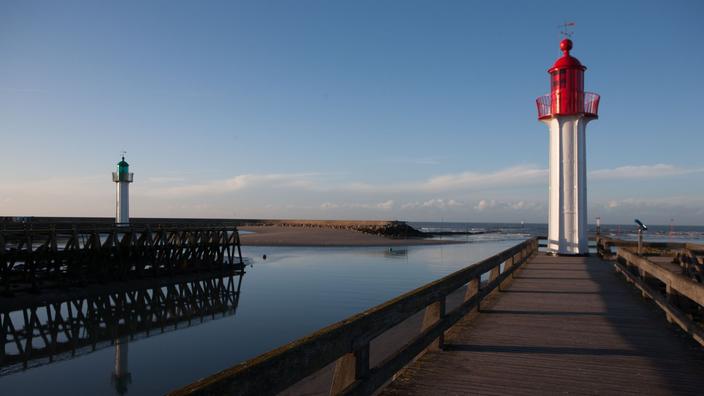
[(519, 322), (565, 325), (35, 256)]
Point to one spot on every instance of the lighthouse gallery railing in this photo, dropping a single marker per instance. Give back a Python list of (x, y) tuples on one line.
[(590, 107)]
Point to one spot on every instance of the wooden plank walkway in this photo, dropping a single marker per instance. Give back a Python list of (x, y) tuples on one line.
[(565, 325)]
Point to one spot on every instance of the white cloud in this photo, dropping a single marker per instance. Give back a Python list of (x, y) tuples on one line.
[(684, 209), (663, 202), (464, 181), (641, 171), (276, 180), (436, 203), (386, 205), (486, 204), (486, 195), (165, 179), (515, 176)]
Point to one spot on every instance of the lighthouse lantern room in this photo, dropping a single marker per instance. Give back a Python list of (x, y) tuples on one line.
[(566, 111), (122, 179)]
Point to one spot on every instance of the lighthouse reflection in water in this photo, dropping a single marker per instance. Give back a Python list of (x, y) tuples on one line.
[(41, 333)]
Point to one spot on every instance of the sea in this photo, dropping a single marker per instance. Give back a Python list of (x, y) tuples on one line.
[(166, 343), (501, 231)]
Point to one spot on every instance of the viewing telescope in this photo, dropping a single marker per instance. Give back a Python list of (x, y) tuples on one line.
[(641, 226)]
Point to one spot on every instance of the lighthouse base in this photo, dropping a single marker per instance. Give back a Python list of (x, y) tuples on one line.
[(567, 212)]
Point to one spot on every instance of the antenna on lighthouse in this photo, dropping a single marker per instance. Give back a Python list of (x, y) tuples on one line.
[(566, 29), (123, 153)]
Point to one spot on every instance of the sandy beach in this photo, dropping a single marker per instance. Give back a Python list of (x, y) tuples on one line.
[(319, 236)]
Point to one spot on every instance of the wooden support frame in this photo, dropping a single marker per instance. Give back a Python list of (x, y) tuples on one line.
[(32, 258)]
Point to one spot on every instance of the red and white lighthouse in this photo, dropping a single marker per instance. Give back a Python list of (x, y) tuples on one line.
[(566, 111)]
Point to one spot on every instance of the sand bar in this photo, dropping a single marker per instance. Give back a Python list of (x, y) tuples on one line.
[(318, 236)]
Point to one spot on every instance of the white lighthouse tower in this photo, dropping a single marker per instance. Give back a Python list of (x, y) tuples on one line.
[(566, 111), (122, 178)]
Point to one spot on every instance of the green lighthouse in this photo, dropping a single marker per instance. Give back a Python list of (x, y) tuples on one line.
[(122, 178)]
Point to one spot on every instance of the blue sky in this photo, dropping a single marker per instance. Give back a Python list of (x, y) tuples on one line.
[(331, 109)]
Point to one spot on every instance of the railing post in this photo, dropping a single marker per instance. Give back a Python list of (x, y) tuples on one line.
[(433, 314), (671, 298), (478, 281), (494, 273), (361, 356), (644, 279), (350, 367), (522, 255), (508, 264), (472, 289)]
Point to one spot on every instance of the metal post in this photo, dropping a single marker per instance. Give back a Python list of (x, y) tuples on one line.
[(640, 241), (598, 226)]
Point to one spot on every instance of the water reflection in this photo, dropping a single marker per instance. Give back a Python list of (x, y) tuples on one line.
[(121, 377), (295, 291), (396, 253), (43, 329)]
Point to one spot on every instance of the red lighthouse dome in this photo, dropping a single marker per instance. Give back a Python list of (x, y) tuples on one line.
[(567, 96), (567, 61)]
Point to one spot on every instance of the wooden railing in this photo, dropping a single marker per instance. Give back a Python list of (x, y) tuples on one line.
[(605, 245), (681, 297), (348, 342)]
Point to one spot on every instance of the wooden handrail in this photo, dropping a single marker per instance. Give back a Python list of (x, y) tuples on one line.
[(649, 276), (604, 245), (347, 341)]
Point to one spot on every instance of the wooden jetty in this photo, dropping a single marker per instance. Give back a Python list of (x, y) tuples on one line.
[(519, 322), (39, 255), (40, 329), (565, 325)]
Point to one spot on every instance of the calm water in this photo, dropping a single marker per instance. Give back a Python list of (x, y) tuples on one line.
[(295, 291)]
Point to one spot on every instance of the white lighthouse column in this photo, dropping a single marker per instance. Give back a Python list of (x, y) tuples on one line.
[(123, 203), (567, 210)]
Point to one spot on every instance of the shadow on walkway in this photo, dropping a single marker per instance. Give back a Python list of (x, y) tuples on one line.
[(565, 325)]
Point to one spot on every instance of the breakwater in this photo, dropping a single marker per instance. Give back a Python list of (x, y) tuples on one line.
[(388, 228)]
